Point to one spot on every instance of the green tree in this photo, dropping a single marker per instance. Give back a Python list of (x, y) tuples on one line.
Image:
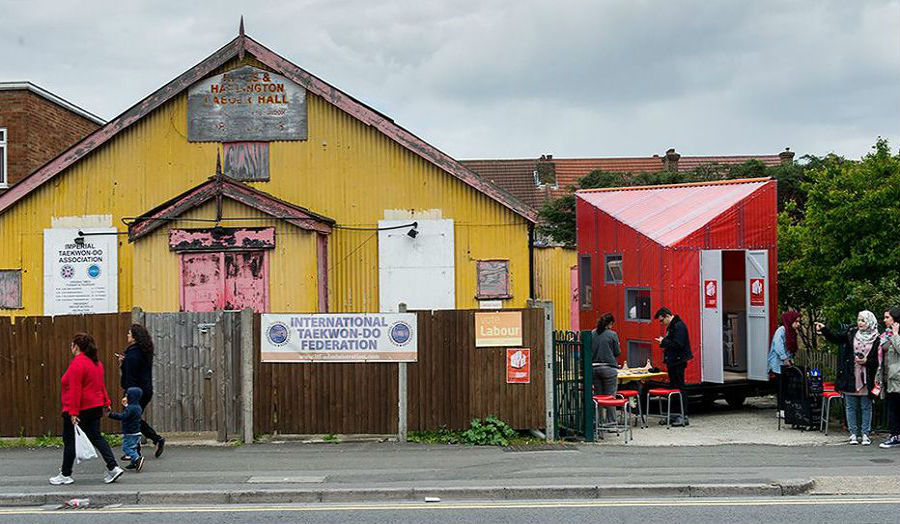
[(842, 253)]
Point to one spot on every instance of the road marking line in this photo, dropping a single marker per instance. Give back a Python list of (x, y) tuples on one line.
[(460, 505)]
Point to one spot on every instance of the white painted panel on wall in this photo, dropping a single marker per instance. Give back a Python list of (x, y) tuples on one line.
[(417, 271)]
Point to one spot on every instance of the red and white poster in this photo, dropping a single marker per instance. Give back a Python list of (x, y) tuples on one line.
[(758, 292), (711, 294), (518, 366)]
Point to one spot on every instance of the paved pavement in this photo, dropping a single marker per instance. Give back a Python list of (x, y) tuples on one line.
[(293, 472)]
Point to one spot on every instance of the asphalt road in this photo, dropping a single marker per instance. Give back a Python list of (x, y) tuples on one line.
[(799, 510)]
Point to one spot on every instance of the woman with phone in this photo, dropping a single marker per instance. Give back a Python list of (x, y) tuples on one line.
[(857, 365), (137, 372)]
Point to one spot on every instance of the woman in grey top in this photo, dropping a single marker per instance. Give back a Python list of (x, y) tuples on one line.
[(605, 352)]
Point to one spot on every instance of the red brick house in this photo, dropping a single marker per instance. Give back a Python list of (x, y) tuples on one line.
[(539, 180), (35, 126)]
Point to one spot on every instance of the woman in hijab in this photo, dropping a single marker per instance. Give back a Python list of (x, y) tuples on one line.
[(857, 363), (783, 349)]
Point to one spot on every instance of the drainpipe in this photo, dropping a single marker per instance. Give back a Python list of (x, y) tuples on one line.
[(531, 261)]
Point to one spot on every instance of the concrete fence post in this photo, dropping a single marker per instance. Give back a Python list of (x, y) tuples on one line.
[(402, 393), (247, 374)]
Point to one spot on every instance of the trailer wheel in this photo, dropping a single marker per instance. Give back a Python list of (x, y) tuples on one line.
[(735, 400)]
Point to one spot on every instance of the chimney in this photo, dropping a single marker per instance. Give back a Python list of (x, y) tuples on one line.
[(670, 162), (545, 171), (786, 156)]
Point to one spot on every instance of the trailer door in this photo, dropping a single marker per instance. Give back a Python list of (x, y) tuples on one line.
[(757, 287), (711, 316)]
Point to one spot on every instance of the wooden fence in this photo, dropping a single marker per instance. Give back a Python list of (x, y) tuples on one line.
[(197, 377), (34, 354), (451, 383)]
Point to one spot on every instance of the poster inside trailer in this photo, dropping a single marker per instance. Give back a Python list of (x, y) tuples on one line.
[(339, 337), (80, 277)]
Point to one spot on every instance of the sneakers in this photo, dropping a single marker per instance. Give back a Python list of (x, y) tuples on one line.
[(892, 442), (113, 475), (853, 440), (160, 446), (865, 440), (61, 479), (137, 465)]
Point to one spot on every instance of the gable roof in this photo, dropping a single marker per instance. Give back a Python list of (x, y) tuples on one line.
[(220, 186), (47, 95), (517, 175), (668, 213), (241, 45)]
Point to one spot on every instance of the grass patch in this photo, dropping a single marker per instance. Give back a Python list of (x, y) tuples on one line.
[(330, 437), (50, 441)]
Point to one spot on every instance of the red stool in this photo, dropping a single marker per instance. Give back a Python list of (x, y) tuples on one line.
[(826, 408), (630, 393), (828, 386), (604, 401), (665, 393)]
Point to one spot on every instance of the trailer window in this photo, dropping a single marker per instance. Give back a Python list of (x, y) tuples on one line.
[(584, 281), (637, 304), (613, 265), (638, 353)]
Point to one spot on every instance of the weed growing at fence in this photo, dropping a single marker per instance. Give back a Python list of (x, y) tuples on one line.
[(489, 431), (330, 437)]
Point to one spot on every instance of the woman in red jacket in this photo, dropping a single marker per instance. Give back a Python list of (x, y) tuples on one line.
[(84, 397)]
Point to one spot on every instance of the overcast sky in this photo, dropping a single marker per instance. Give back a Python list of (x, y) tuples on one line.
[(514, 78)]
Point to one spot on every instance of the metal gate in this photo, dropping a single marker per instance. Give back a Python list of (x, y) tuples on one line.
[(572, 385)]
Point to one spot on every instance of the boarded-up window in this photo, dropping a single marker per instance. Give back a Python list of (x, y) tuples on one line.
[(247, 161), (493, 279), (10, 288)]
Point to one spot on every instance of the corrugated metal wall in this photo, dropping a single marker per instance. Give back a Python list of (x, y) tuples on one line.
[(552, 267), (346, 170)]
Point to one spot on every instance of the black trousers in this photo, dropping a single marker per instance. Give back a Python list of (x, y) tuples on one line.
[(676, 381), (89, 422), (893, 406), (146, 430)]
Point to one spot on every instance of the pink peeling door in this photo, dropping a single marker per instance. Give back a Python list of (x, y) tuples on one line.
[(246, 281), (202, 282)]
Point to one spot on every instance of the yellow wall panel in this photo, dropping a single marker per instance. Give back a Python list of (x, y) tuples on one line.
[(345, 170), (552, 266)]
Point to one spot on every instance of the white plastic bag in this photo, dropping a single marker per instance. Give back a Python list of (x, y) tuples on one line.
[(84, 450)]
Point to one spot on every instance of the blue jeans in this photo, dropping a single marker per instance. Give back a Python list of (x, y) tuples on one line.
[(130, 446), (856, 404)]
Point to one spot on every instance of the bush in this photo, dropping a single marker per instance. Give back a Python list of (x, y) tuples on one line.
[(489, 431)]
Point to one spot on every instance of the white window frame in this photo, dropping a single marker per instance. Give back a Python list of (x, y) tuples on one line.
[(607, 258), (4, 164)]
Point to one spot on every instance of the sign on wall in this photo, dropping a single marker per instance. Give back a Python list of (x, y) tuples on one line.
[(80, 278), (417, 270), (711, 294), (498, 329), (518, 366), (757, 292), (339, 337), (246, 104)]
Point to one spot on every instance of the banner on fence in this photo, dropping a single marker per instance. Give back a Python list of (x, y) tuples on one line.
[(498, 329), (339, 337)]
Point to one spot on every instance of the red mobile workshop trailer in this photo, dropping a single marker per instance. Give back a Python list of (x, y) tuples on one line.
[(708, 252)]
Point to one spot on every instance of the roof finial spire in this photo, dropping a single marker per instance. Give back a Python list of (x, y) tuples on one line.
[(218, 163), (241, 37)]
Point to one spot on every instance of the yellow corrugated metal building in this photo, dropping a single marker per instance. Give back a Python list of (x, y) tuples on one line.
[(356, 167), (553, 282)]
